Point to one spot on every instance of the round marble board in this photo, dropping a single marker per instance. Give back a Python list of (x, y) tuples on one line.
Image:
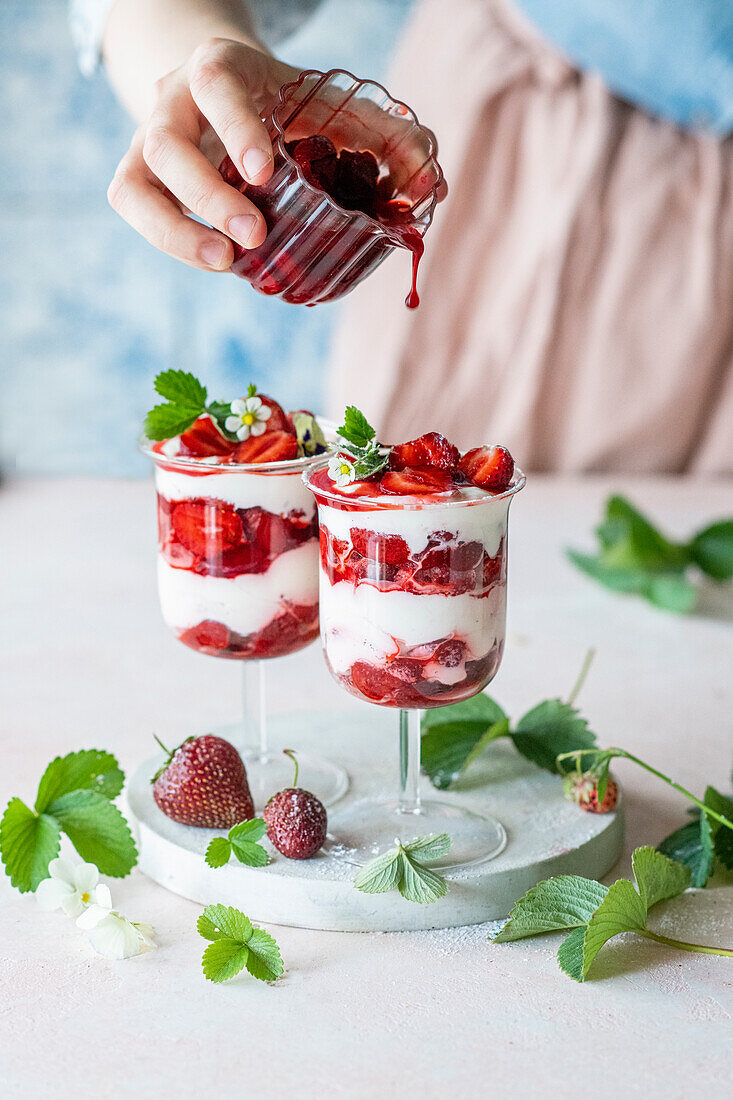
[(547, 835)]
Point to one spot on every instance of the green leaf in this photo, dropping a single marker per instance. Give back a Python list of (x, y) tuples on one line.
[(712, 550), (97, 830), (254, 829), (622, 910), (224, 922), (454, 735), (692, 845), (419, 883), (224, 959), (252, 855), (567, 901), (264, 961), (166, 421), (549, 729), (722, 836), (429, 848), (370, 463), (356, 428), (629, 539), (380, 875), (570, 954), (658, 878), (28, 843), (671, 592), (181, 388), (613, 577), (90, 769), (218, 851)]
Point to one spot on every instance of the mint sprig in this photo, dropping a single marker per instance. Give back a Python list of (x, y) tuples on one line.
[(186, 400), (370, 456), (241, 840), (404, 868), (635, 557), (236, 944), (74, 797), (597, 913), (454, 736)]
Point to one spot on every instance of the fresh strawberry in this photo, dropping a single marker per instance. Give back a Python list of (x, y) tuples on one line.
[(278, 421), (415, 481), (296, 820), (432, 449), (206, 528), (389, 549), (203, 439), (204, 783), (277, 446), (489, 467), (583, 790)]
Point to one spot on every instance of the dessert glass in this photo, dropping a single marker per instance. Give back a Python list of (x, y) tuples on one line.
[(412, 612), (315, 249), (237, 578)]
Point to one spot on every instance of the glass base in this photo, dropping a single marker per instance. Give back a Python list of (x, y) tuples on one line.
[(365, 829)]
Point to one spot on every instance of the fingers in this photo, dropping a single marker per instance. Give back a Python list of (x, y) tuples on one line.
[(170, 150), (136, 197), (222, 97)]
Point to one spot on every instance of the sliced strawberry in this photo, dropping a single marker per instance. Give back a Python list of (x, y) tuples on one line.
[(415, 481), (277, 446), (492, 568), (374, 683), (278, 421), (459, 559), (206, 635), (432, 449), (203, 440), (389, 549), (489, 467), (269, 531), (206, 528), (450, 653), (248, 557), (406, 669)]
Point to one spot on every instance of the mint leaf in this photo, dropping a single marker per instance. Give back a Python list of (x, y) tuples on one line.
[(712, 550), (90, 769), (181, 388), (167, 421), (568, 901), (403, 868), (692, 846), (264, 961), (28, 843), (549, 729), (236, 944), (356, 429), (97, 830), (218, 851), (370, 463), (454, 735)]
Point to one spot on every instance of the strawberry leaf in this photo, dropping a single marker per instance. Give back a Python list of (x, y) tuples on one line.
[(403, 868), (453, 736), (712, 550), (224, 959), (166, 421), (252, 855), (218, 851), (223, 921), (181, 388), (356, 429), (568, 901), (264, 961), (236, 944), (97, 830), (721, 835), (28, 843), (549, 729), (90, 769), (692, 846)]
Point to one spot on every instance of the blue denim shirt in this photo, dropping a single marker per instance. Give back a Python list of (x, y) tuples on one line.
[(671, 57)]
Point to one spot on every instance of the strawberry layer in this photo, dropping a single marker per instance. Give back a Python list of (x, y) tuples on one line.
[(281, 494)]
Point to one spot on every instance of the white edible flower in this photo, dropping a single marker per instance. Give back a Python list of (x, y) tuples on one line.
[(71, 887), (248, 417), (111, 934), (341, 469)]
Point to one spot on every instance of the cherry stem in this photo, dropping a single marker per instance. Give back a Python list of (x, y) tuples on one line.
[(293, 757), (682, 945)]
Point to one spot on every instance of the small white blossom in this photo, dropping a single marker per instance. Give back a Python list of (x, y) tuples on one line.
[(110, 933), (248, 417), (341, 469), (71, 887)]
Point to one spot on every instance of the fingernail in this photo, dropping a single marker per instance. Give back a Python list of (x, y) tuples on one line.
[(242, 227), (212, 253), (254, 161)]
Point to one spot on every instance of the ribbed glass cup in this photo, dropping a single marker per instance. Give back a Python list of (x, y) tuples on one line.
[(315, 250)]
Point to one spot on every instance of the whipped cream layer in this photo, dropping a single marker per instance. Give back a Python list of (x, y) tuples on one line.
[(483, 522), (363, 624), (244, 604), (278, 493)]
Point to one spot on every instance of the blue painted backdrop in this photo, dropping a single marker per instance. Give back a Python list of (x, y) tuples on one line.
[(89, 312)]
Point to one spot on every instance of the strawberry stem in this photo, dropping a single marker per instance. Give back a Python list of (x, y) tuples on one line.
[(582, 675), (293, 757), (167, 751), (682, 945)]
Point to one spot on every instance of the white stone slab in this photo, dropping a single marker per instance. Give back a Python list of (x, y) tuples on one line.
[(547, 836)]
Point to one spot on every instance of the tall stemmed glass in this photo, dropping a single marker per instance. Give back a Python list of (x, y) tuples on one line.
[(413, 610), (237, 578)]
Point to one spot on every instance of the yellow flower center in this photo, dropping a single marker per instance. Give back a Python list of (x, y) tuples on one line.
[(345, 469), (85, 897), (248, 419)]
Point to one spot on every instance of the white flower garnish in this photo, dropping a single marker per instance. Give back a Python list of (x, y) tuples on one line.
[(341, 469), (111, 934), (248, 417), (71, 887)]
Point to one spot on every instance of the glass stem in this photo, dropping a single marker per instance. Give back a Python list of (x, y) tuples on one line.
[(254, 699), (409, 800)]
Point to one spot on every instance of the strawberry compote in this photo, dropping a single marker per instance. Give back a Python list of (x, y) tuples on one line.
[(413, 586), (237, 552)]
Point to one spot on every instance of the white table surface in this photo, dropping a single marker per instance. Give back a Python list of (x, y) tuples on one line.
[(88, 662)]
